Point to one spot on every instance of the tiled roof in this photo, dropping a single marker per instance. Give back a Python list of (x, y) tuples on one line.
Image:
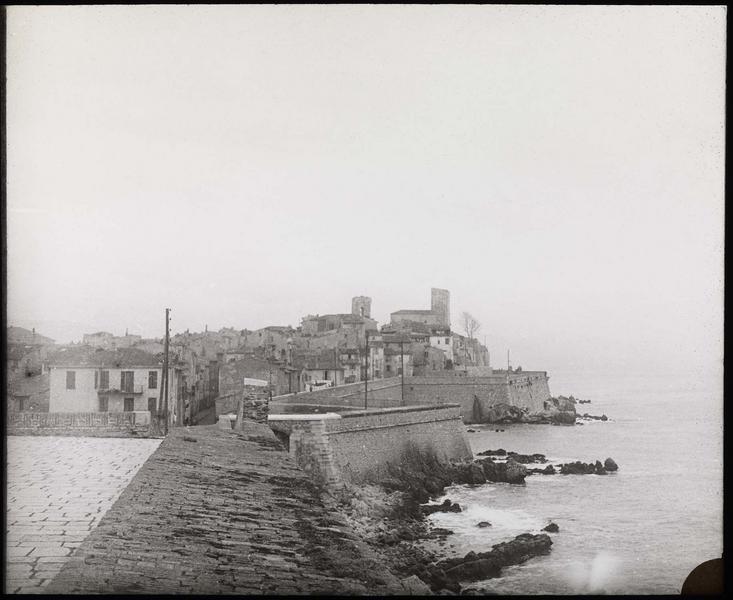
[(87, 356), (406, 311), (18, 351)]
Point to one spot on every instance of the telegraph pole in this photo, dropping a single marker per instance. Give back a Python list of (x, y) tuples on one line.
[(366, 365), (402, 364), (165, 369)]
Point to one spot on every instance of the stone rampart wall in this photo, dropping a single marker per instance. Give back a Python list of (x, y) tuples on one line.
[(88, 424), (382, 393), (359, 446), (475, 394), (529, 390)]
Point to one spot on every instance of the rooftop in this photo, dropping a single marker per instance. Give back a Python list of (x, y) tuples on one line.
[(21, 335), (88, 356)]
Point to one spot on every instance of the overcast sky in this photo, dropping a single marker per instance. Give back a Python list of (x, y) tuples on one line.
[(558, 169)]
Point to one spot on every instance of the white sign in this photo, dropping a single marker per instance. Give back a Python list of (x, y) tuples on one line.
[(255, 382)]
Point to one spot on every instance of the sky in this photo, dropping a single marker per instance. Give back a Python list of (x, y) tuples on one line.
[(559, 169)]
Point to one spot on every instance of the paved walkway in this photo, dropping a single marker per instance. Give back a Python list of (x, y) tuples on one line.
[(58, 490), (216, 511)]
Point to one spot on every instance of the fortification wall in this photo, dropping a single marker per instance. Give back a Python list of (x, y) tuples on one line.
[(359, 446), (475, 394), (382, 393), (88, 424), (529, 389)]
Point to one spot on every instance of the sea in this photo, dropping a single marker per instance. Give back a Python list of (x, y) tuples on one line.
[(640, 530)]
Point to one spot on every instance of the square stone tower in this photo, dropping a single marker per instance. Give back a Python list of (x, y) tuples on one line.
[(440, 305), (361, 306)]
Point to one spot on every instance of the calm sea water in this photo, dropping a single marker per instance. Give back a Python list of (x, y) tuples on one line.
[(638, 531)]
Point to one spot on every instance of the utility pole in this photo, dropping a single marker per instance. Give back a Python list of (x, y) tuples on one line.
[(269, 378), (402, 364), (507, 359), (366, 365), (165, 369)]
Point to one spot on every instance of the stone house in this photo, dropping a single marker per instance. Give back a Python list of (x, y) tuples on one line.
[(28, 393), (321, 366), (442, 339), (469, 352), (87, 379), (283, 379), (272, 342), (26, 359), (427, 317), (351, 359), (108, 341), (397, 352), (427, 359)]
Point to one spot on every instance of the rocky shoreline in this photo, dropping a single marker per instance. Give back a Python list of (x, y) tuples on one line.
[(557, 411), (390, 515)]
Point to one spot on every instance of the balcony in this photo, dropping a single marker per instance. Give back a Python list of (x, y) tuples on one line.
[(129, 391)]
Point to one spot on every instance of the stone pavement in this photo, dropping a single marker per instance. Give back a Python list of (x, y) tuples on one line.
[(58, 488), (216, 511)]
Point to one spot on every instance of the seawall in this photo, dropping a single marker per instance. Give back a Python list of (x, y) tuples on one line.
[(475, 394), (358, 446)]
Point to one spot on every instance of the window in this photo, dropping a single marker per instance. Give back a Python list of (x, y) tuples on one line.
[(104, 380), (152, 379), (447, 341), (129, 404), (21, 404), (96, 379), (103, 404), (152, 405), (70, 380), (127, 381)]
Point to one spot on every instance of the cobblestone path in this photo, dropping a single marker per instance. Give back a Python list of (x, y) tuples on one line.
[(216, 511), (58, 488)]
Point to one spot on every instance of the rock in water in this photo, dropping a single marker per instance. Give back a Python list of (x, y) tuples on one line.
[(447, 506), (484, 524), (484, 565), (610, 465), (504, 413), (476, 474), (552, 528), (528, 458), (414, 586), (515, 473)]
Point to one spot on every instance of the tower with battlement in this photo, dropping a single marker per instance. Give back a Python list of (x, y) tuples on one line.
[(361, 306), (440, 305)]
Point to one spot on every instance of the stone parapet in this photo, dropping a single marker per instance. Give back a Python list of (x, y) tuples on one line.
[(358, 446), (93, 424)]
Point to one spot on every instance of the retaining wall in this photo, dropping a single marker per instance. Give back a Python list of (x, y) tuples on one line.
[(358, 446), (87, 424), (382, 393), (475, 394)]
